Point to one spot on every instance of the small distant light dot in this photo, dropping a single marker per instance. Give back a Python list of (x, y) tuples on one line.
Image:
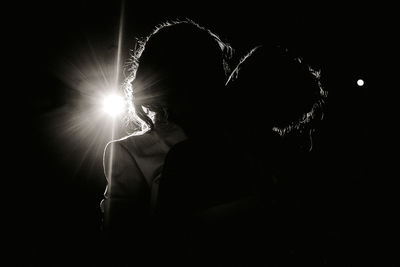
[(360, 82)]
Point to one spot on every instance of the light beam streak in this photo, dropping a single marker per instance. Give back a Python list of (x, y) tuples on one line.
[(120, 33), (115, 88)]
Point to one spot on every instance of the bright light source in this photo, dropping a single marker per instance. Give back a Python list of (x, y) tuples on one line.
[(360, 82), (113, 104)]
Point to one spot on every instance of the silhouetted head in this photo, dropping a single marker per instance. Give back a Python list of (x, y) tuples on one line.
[(275, 92), (178, 73)]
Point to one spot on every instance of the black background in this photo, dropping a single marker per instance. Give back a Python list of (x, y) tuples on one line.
[(54, 198)]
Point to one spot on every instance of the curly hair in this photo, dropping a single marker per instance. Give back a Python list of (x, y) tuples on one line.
[(285, 94), (180, 48)]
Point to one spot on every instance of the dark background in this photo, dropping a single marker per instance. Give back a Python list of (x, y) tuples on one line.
[(56, 188)]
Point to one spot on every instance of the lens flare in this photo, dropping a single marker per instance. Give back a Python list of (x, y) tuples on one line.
[(113, 105), (91, 114)]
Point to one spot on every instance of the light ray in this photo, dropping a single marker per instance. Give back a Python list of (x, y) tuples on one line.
[(117, 73), (78, 129), (99, 65), (120, 34)]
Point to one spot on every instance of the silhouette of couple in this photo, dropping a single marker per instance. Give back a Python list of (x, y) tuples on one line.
[(193, 184)]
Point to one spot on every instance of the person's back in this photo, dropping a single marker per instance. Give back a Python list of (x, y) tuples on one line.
[(281, 99), (221, 195), (206, 198), (171, 69), (133, 166)]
